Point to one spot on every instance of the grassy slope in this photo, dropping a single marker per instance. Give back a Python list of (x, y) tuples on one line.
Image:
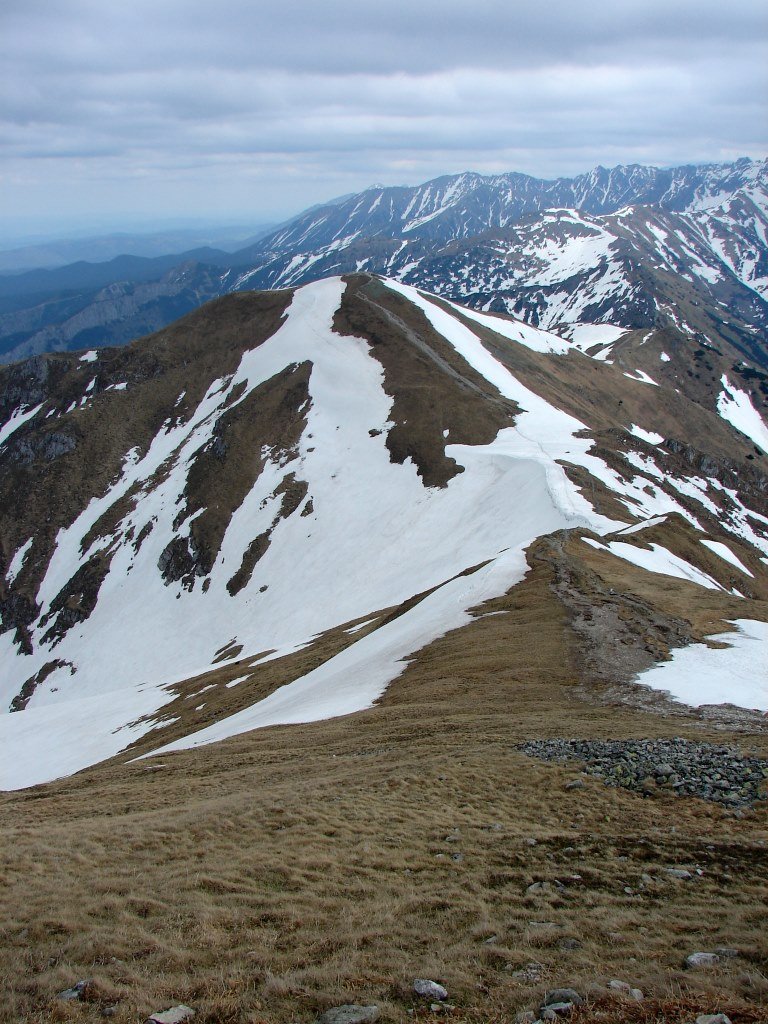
[(292, 869)]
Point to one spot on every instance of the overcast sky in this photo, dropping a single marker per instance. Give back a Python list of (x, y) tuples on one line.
[(255, 109)]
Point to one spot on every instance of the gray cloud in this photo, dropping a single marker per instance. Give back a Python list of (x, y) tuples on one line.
[(258, 108)]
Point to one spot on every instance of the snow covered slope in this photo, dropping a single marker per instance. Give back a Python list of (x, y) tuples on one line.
[(279, 466)]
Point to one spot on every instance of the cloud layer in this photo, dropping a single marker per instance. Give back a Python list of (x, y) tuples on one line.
[(258, 109)]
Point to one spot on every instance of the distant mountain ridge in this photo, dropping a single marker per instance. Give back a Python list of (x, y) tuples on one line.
[(645, 243), (465, 205)]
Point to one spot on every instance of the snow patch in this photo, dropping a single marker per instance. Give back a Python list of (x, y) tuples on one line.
[(646, 435), (736, 407), (725, 553), (18, 561), (657, 559), (737, 674)]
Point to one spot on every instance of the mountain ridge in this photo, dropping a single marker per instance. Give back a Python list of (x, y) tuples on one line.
[(297, 490)]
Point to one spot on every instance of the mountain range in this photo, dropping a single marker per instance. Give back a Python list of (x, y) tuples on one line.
[(632, 247), (286, 494), (397, 630)]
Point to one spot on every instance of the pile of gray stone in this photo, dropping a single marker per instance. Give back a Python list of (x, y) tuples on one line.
[(707, 770)]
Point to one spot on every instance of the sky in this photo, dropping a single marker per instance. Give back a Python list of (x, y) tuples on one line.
[(157, 112)]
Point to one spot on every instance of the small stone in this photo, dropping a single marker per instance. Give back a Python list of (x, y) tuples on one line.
[(538, 887), (695, 960), (109, 1011), (636, 994), (76, 992), (713, 1018), (562, 995), (175, 1015), (680, 873), (575, 784), (525, 1017), (568, 944), (554, 1010), (620, 986), (350, 1013), (429, 989), (727, 953)]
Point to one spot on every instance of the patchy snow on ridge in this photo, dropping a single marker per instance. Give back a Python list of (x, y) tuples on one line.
[(736, 407), (642, 377), (646, 435), (17, 419), (385, 535), (725, 553), (372, 538), (699, 674), (17, 561), (357, 677), (657, 559), (516, 330)]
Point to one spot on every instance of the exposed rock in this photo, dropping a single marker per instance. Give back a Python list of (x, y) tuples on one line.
[(695, 960), (538, 887), (620, 986), (532, 972), (350, 1013), (681, 873), (562, 995), (713, 1018), (429, 989), (555, 1010), (175, 1015), (706, 770), (727, 952), (626, 990), (77, 991)]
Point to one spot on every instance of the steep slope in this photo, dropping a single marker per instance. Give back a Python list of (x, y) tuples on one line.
[(287, 494)]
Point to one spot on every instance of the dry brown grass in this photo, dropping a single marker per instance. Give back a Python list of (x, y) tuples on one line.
[(291, 869)]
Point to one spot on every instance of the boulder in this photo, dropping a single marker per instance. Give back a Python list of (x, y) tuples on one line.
[(562, 995), (696, 960), (350, 1013), (429, 989), (175, 1015), (76, 992)]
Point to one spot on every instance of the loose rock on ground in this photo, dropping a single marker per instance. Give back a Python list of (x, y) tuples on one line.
[(706, 770), (175, 1015), (350, 1013)]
